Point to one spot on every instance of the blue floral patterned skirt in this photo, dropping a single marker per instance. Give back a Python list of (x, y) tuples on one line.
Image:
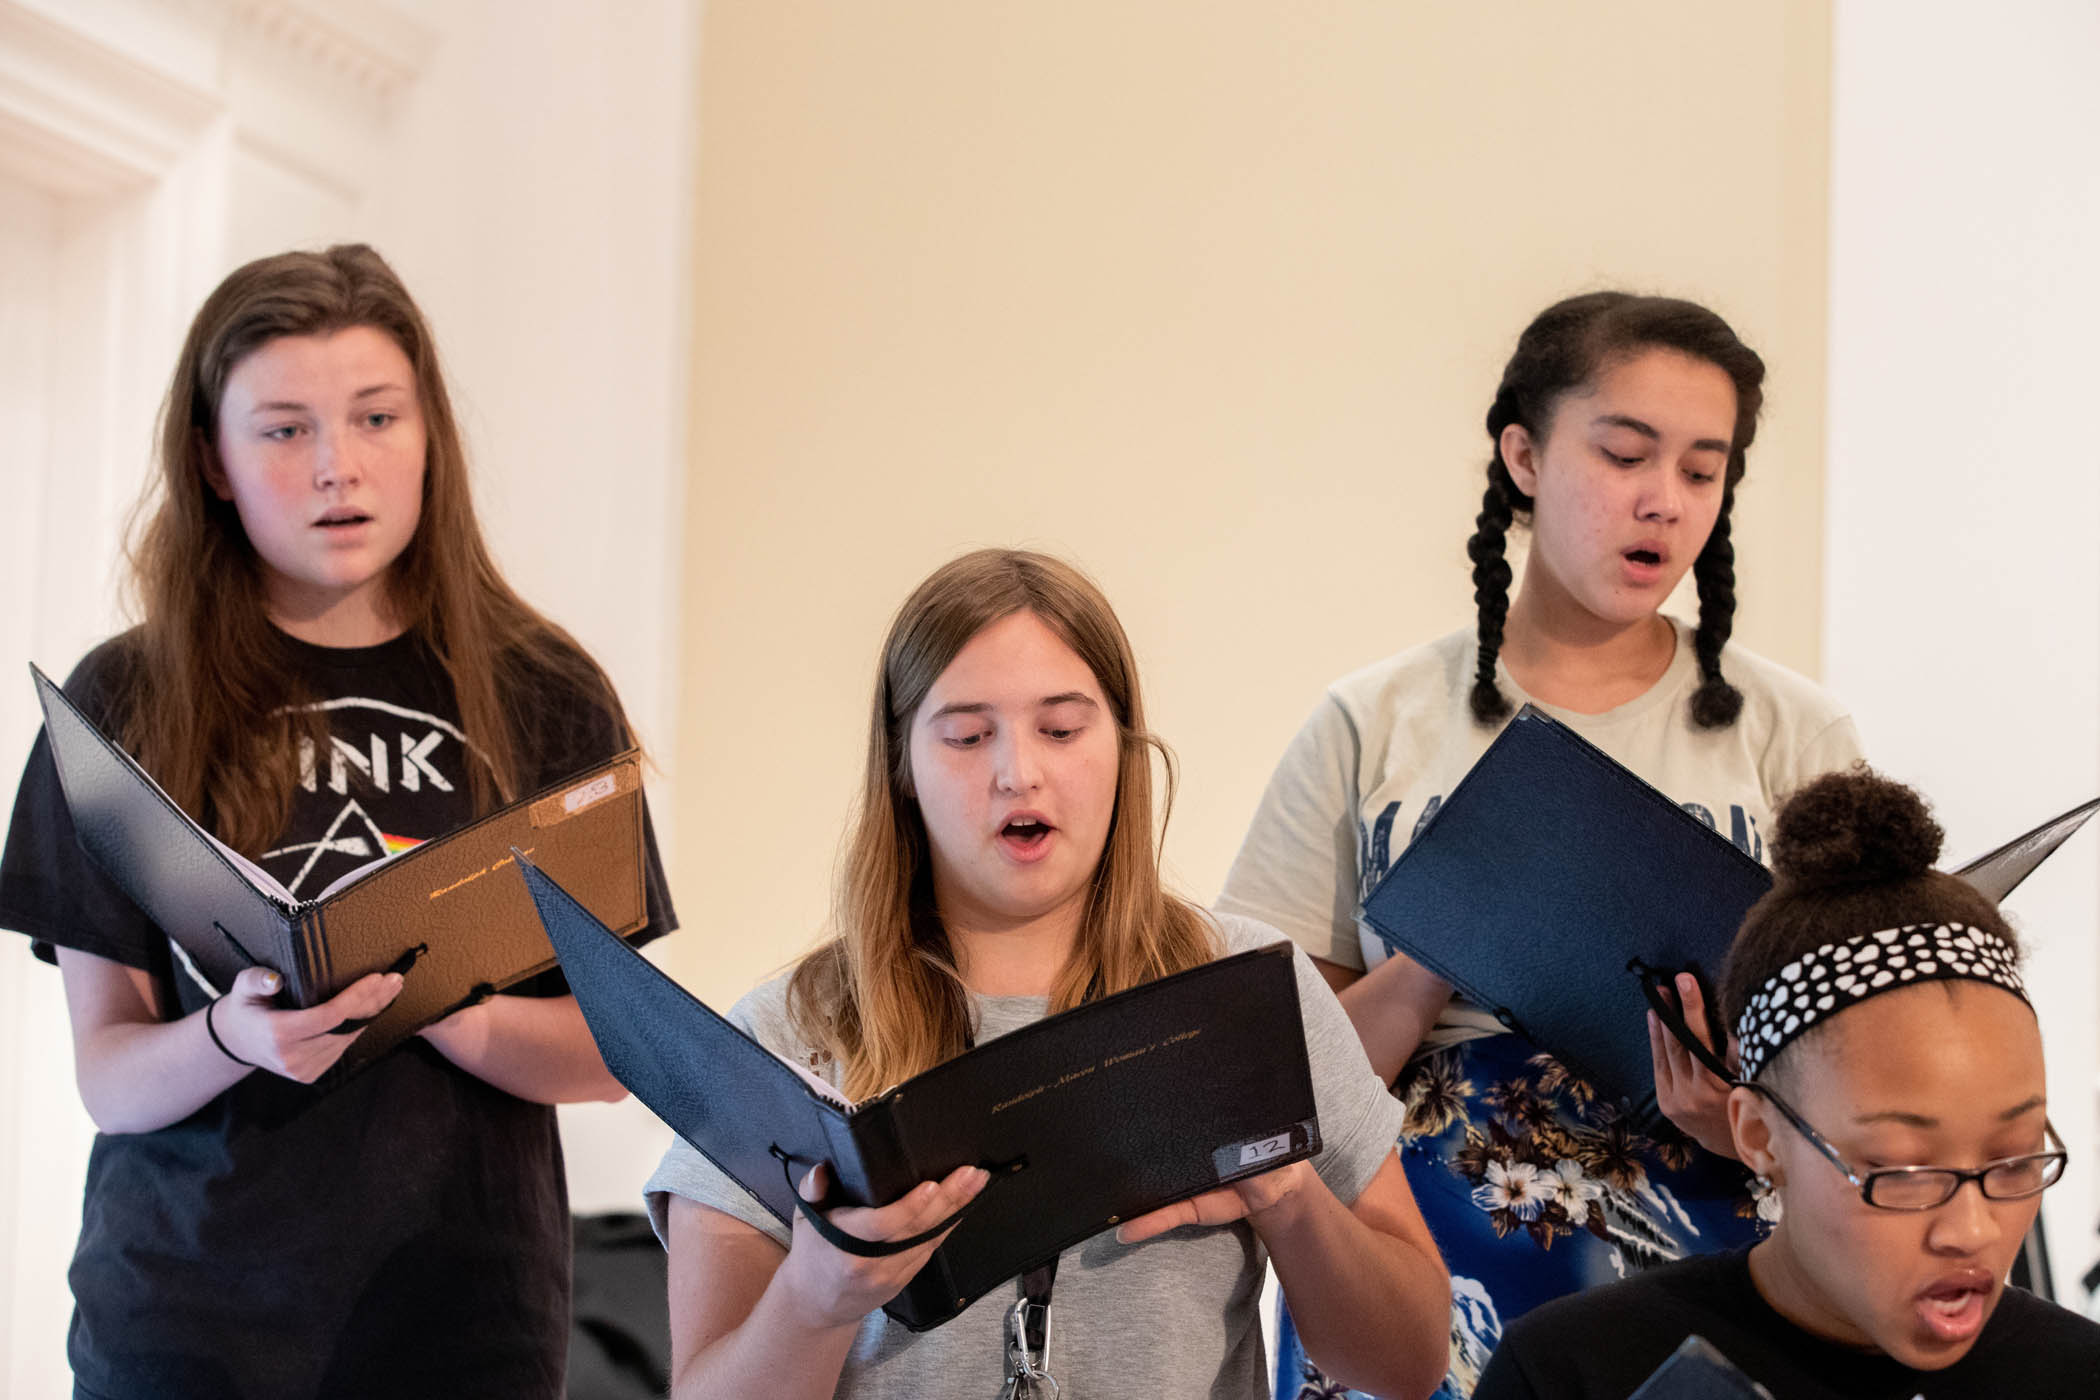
[(1534, 1189)]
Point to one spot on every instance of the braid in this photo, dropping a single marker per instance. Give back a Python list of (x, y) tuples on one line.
[(1562, 350), (1491, 575), (1716, 703)]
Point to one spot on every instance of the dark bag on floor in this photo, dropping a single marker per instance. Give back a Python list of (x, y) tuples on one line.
[(620, 1341)]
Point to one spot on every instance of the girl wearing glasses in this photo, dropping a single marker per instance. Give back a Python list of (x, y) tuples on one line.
[(1893, 1096)]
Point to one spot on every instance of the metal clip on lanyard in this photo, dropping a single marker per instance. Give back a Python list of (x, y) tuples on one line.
[(1028, 1339)]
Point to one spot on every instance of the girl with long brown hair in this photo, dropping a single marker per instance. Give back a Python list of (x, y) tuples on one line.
[(1004, 867), (328, 668)]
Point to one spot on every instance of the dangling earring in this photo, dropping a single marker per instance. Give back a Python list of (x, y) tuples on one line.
[(1764, 1194)]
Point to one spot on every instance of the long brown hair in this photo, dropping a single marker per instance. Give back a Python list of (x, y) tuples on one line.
[(883, 996), (221, 730)]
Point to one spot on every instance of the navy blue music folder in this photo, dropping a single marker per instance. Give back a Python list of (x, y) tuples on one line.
[(1544, 884), (1552, 880)]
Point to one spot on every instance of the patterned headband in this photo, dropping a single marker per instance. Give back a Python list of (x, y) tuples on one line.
[(1836, 976)]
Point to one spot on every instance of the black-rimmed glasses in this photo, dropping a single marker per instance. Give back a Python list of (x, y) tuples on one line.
[(1889, 1188), (1925, 1188)]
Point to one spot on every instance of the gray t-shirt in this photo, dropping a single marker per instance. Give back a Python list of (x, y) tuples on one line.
[(1176, 1316)]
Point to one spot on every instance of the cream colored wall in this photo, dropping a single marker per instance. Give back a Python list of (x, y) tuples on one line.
[(1210, 298)]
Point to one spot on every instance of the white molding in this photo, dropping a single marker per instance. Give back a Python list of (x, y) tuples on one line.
[(110, 98), (80, 117), (168, 133), (313, 90), (368, 44)]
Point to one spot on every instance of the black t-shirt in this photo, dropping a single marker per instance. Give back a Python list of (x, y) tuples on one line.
[(405, 1234), (1602, 1344)]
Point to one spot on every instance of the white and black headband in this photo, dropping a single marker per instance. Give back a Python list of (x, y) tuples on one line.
[(1815, 987)]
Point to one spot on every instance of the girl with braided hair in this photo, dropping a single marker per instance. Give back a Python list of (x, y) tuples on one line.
[(1618, 435)]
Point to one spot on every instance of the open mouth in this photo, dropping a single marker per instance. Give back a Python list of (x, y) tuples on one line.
[(1646, 557), (1953, 1311), (342, 520), (1028, 833)]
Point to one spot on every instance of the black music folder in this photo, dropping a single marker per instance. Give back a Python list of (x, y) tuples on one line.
[(1698, 1371), (1999, 872), (441, 912), (1552, 882), (1085, 1119)]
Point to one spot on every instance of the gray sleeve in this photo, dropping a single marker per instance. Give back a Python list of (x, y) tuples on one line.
[(1359, 1118), (1296, 870), (762, 1015), (684, 1172)]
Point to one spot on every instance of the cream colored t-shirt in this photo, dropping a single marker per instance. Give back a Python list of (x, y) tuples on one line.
[(1388, 742)]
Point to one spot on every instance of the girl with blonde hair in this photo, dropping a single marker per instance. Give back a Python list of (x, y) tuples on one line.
[(1004, 867)]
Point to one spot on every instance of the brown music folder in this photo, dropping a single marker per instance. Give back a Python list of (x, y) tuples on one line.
[(444, 913)]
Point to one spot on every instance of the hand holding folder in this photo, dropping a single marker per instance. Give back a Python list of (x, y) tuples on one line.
[(1084, 1120), (443, 914)]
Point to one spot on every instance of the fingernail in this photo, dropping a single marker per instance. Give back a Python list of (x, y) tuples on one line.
[(393, 981), (271, 981), (1684, 981)]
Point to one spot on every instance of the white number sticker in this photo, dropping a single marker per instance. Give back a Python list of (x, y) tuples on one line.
[(1252, 1153), (576, 799)]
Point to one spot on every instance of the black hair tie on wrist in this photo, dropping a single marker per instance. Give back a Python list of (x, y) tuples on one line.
[(213, 1031)]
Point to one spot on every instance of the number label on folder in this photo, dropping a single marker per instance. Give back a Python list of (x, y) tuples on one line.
[(577, 799), (1240, 1159), (624, 776), (1253, 1154)]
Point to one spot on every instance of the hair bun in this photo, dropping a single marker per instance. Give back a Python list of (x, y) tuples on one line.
[(1853, 827)]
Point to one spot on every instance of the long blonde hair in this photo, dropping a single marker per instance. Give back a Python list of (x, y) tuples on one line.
[(216, 714), (883, 996)]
